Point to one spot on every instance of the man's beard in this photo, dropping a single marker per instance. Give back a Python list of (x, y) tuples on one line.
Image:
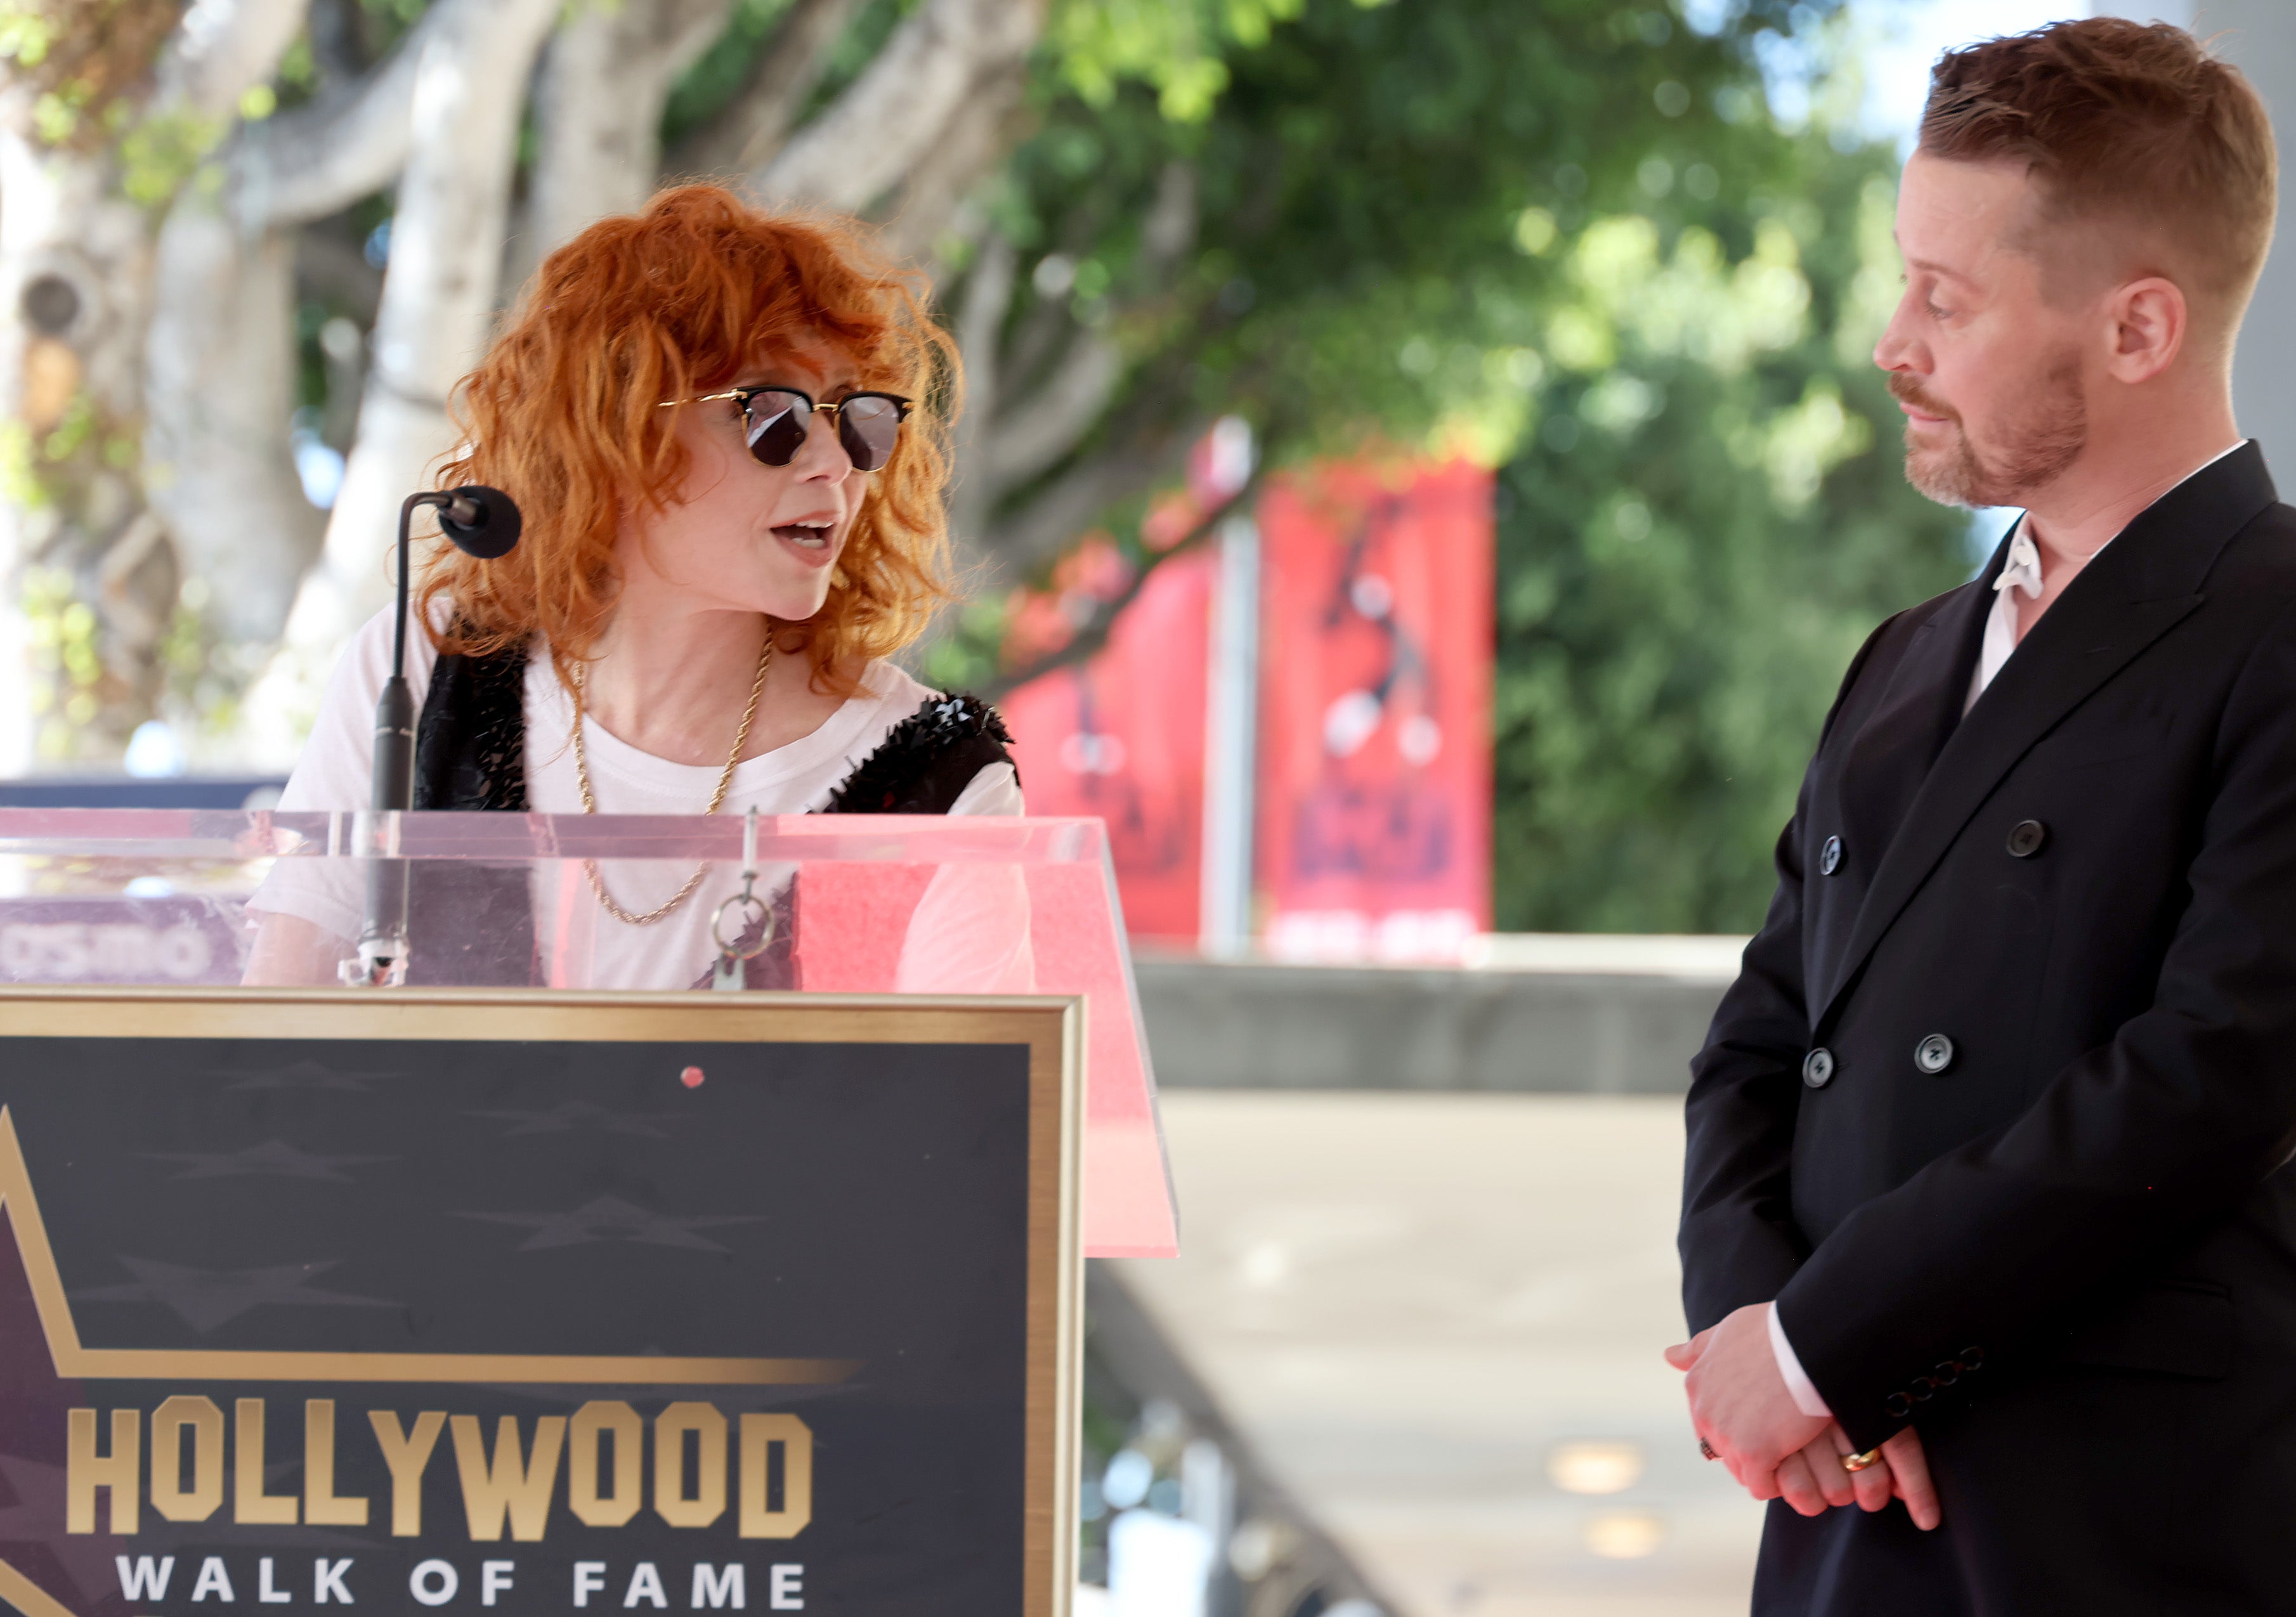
[(2043, 438)]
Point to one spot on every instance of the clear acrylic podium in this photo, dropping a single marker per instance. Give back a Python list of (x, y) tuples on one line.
[(863, 905)]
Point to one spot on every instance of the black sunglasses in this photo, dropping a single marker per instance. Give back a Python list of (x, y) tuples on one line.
[(776, 419)]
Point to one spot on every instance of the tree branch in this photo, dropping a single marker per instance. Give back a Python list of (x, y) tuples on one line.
[(1025, 441), (1070, 505), (1146, 442), (597, 113), (979, 316), (319, 159), (750, 128), (987, 125), (1169, 233), (1092, 634), (687, 28), (224, 48), (902, 103)]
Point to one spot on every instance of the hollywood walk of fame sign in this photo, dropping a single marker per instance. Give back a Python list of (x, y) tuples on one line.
[(464, 1302)]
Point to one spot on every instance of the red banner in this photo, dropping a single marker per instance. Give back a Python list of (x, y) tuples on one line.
[(1375, 811), (1122, 737)]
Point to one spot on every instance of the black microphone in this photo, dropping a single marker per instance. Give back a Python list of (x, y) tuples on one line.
[(483, 522)]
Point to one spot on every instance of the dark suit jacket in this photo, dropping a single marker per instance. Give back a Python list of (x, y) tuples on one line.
[(2068, 1257)]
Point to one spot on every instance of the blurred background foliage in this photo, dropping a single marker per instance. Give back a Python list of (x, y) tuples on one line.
[(1708, 518), (1570, 239)]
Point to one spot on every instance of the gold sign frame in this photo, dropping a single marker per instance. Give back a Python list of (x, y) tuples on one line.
[(1051, 1028)]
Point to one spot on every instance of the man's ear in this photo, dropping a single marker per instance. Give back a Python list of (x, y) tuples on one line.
[(2150, 326)]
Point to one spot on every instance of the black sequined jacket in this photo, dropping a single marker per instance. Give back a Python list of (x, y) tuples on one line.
[(469, 753)]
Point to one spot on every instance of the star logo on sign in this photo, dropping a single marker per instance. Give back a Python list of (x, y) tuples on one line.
[(609, 1218), (38, 1517), (568, 1115), (300, 1076), (274, 1157), (206, 1298)]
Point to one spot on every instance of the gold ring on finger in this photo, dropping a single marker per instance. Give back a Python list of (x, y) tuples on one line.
[(1861, 1462)]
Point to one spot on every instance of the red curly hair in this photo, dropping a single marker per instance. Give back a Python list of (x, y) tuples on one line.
[(665, 304)]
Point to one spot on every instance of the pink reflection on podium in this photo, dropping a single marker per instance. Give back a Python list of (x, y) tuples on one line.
[(888, 905)]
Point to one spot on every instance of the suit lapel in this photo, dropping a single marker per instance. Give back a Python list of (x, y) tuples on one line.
[(2142, 584), (1896, 747)]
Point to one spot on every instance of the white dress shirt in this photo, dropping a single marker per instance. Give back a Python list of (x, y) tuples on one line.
[(2020, 574)]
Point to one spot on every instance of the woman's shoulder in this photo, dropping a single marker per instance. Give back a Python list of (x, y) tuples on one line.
[(892, 687), (929, 747), (919, 713)]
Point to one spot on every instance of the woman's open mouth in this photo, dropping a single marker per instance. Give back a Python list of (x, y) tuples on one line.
[(810, 540)]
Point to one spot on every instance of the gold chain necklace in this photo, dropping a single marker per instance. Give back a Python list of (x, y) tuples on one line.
[(725, 779)]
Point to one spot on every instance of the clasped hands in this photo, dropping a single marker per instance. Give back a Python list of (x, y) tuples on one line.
[(1740, 1407)]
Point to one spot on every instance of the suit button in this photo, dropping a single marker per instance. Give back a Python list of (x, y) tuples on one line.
[(1829, 857), (2026, 837), (1817, 1068), (1933, 1054), (1899, 1405)]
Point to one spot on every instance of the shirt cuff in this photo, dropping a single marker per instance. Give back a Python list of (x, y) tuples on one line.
[(1798, 1382)]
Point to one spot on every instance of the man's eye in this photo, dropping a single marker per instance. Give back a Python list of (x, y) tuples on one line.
[(1935, 313)]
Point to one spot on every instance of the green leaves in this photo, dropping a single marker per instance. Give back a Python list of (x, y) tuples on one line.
[(1569, 238), (1177, 46), (26, 33), (1680, 593)]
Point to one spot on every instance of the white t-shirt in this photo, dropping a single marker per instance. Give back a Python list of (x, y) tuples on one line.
[(582, 946)]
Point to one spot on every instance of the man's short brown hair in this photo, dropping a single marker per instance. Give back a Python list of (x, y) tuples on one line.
[(2125, 124)]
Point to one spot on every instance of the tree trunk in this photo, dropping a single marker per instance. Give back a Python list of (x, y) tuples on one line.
[(221, 387), (93, 581), (94, 576), (597, 113), (902, 105), (751, 128), (437, 300), (923, 210), (224, 49)]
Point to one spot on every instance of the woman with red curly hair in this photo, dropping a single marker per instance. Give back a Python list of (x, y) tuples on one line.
[(726, 430)]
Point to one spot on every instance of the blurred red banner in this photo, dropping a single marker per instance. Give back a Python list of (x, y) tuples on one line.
[(1374, 813), (1374, 820), (1122, 736)]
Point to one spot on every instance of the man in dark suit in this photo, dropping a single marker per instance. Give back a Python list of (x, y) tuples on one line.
[(1987, 1204)]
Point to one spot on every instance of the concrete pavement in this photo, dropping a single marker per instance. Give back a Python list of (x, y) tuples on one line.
[(1437, 1317)]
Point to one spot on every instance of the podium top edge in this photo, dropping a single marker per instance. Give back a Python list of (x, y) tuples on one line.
[(240, 835)]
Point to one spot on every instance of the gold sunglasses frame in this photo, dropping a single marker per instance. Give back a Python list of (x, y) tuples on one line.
[(902, 408)]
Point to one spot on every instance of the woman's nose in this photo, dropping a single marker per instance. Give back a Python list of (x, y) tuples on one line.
[(824, 456)]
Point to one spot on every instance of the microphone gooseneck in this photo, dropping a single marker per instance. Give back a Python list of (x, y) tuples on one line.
[(480, 521), (484, 522)]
